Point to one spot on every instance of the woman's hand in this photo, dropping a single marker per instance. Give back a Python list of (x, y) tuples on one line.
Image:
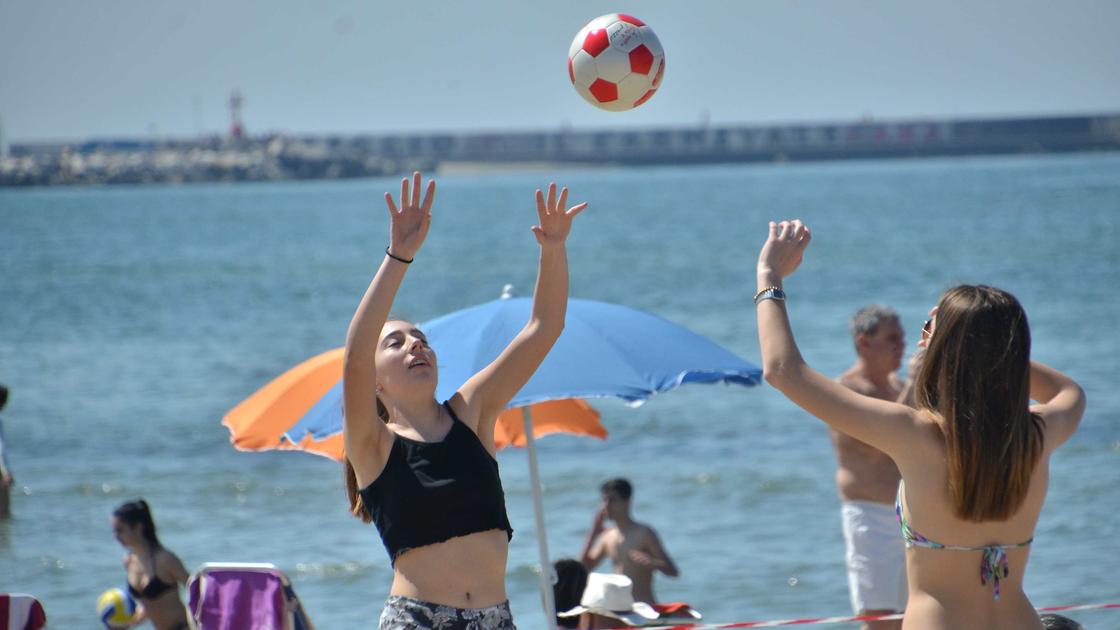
[(408, 226), (783, 250), (554, 221)]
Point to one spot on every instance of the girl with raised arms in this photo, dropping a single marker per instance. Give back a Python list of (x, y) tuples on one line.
[(423, 470), (974, 453)]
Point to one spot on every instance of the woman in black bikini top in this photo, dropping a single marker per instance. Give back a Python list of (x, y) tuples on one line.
[(154, 572)]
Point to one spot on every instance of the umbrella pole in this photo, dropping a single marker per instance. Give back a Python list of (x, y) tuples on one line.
[(547, 575)]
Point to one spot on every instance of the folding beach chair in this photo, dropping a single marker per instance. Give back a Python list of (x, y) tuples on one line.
[(233, 596), (20, 611)]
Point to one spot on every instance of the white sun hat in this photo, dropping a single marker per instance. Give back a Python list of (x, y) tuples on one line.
[(611, 595)]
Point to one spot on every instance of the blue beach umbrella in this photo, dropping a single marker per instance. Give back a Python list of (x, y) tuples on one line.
[(606, 350)]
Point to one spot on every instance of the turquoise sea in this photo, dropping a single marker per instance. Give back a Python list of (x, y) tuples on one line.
[(133, 318)]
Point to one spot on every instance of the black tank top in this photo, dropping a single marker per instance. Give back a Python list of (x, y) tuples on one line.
[(430, 492)]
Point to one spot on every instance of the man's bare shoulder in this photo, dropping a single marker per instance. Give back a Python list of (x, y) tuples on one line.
[(643, 531), (856, 382)]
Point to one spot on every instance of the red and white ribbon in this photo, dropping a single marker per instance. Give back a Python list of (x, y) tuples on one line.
[(854, 619)]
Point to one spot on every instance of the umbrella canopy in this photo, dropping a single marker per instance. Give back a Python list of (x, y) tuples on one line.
[(606, 350), (302, 409)]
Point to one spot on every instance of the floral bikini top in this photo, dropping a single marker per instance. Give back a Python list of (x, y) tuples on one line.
[(993, 566)]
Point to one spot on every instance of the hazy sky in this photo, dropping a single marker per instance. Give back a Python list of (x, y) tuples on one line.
[(73, 69)]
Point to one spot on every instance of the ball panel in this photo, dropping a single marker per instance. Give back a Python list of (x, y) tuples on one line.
[(571, 73), (577, 42), (596, 42), (645, 97), (649, 38), (624, 36), (633, 87), (616, 106), (604, 91), (660, 73), (603, 21), (641, 60), (584, 71), (613, 65), (630, 19), (586, 94)]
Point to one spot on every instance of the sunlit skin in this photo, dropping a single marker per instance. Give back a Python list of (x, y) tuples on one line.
[(864, 473), (945, 590)]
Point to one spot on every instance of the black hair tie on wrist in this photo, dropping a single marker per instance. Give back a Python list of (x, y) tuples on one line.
[(397, 258)]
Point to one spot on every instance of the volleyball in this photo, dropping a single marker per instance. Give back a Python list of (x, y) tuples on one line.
[(116, 608), (616, 62)]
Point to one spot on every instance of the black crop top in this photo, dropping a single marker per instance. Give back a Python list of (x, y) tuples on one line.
[(430, 492)]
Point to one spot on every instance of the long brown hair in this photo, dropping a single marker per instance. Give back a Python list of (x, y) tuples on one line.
[(357, 508), (976, 377)]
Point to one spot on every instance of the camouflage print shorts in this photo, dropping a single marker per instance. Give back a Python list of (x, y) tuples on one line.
[(404, 613)]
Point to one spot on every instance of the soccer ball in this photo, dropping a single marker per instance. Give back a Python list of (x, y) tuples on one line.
[(616, 62), (116, 608)]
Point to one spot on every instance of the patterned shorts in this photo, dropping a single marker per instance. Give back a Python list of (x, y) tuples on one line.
[(405, 613)]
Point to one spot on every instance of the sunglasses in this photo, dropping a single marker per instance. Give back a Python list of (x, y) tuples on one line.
[(927, 327)]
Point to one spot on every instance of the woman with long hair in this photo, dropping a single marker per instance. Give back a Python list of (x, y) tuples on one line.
[(154, 572), (422, 470), (974, 452)]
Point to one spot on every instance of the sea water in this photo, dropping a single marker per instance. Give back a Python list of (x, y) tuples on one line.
[(133, 318)]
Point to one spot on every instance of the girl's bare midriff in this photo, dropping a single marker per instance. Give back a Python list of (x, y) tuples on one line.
[(464, 572), (166, 612)]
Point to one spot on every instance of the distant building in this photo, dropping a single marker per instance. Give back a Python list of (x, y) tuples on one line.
[(236, 127)]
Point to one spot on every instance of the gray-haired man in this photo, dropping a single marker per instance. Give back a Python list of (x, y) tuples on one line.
[(867, 479)]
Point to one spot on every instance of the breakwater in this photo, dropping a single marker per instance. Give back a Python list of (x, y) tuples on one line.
[(281, 157)]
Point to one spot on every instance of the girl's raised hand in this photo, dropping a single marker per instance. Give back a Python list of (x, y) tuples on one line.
[(554, 221), (784, 248), (408, 226)]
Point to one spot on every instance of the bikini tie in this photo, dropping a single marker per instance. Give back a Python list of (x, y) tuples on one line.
[(994, 567)]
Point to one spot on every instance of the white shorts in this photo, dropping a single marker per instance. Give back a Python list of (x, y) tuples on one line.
[(876, 556)]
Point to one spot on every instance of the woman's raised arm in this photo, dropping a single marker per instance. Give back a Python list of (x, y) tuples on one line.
[(1061, 403), (888, 426), (486, 393), (363, 431)]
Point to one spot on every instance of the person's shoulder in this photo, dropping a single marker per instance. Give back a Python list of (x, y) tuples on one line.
[(856, 382), (651, 533), (166, 555), (610, 535), (644, 530)]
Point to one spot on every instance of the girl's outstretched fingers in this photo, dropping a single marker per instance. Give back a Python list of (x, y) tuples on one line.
[(409, 222), (554, 217)]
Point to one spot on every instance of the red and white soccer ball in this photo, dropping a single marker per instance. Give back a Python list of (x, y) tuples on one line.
[(616, 62)]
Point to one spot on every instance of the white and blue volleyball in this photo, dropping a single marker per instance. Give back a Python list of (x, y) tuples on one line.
[(116, 608)]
